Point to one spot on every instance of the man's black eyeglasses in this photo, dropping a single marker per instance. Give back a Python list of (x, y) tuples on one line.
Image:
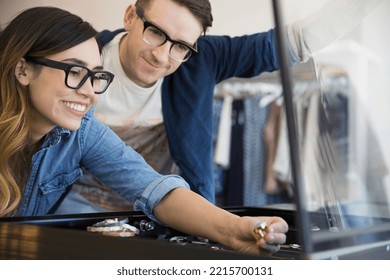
[(76, 75), (155, 37)]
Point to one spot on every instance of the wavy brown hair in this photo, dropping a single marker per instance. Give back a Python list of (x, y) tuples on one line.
[(36, 32)]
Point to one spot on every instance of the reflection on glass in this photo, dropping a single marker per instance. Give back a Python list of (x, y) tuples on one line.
[(341, 101)]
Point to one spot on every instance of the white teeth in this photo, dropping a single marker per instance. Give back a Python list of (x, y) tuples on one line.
[(77, 107)]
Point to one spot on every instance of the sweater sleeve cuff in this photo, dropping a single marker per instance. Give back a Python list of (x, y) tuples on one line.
[(298, 49)]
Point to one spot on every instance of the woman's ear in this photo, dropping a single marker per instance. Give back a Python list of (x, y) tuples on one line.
[(129, 17), (22, 72)]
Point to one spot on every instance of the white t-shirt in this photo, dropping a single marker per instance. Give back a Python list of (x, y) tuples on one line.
[(134, 113)]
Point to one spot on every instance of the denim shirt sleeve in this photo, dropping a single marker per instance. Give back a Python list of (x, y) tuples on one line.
[(107, 157), (155, 191)]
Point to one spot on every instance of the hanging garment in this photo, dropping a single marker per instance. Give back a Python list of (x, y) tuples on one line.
[(255, 156), (235, 173)]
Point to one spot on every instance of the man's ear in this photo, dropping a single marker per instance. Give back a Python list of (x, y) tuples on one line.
[(23, 72), (129, 17)]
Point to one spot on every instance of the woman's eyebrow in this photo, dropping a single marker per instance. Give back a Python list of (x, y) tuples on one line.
[(82, 63)]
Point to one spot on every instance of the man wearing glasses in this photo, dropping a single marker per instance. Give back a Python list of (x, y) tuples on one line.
[(161, 100)]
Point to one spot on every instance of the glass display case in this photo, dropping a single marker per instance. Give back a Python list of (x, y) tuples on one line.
[(336, 106)]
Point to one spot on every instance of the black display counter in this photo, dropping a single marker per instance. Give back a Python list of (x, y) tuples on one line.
[(66, 237)]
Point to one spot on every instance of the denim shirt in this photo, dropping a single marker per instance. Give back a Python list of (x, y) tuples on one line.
[(59, 162)]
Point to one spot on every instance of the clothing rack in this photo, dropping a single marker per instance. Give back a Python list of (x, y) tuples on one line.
[(244, 105), (267, 92)]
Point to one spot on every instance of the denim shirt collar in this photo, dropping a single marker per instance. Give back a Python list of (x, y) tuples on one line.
[(55, 135)]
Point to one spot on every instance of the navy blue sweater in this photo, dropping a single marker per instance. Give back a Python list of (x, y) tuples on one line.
[(187, 97)]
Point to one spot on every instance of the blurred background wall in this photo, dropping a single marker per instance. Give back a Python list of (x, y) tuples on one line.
[(231, 17)]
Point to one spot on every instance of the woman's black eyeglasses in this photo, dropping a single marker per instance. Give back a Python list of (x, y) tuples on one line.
[(76, 75)]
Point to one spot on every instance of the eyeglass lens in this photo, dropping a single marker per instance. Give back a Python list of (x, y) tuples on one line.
[(77, 76)]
